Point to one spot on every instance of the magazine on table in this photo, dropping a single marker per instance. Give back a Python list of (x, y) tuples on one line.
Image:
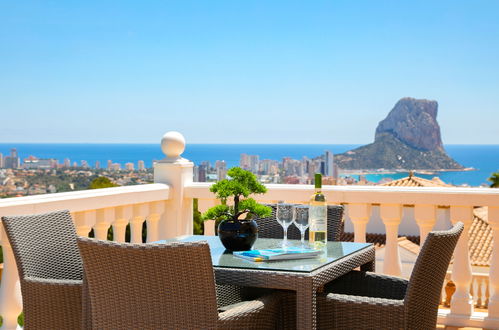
[(277, 254)]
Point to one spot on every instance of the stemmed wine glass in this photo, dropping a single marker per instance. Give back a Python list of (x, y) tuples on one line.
[(301, 221), (285, 216)]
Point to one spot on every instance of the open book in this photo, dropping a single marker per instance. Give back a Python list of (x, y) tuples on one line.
[(277, 254)]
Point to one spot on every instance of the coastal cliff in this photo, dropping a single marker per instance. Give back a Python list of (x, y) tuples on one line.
[(408, 138)]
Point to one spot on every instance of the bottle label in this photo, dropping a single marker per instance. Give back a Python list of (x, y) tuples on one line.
[(318, 216)]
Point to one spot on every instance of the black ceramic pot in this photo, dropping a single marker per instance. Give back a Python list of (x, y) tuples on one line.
[(239, 235)]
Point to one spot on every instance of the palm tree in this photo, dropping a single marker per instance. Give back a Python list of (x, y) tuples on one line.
[(494, 178)]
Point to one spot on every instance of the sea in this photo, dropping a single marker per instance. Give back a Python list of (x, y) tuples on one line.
[(484, 159)]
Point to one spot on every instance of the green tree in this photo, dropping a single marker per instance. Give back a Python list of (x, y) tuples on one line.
[(240, 185), (494, 178), (101, 182), (198, 227)]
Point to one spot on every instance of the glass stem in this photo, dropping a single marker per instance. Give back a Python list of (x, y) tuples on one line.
[(302, 238), (285, 242)]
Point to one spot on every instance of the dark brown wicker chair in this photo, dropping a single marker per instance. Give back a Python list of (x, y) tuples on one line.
[(163, 286), (50, 269), (361, 300), (270, 228)]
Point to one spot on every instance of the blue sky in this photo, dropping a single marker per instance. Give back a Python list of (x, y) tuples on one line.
[(244, 71)]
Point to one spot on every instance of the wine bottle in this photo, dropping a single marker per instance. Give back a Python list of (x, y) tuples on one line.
[(318, 216)]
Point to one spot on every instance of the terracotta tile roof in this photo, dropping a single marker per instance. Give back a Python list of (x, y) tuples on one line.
[(480, 239), (415, 181)]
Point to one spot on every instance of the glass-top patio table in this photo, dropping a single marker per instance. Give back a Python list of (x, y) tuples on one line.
[(305, 276)]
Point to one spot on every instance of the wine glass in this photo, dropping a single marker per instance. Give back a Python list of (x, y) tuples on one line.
[(301, 221), (285, 216)]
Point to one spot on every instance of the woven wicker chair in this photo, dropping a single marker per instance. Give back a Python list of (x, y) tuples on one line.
[(50, 269), (163, 286), (270, 228), (360, 300)]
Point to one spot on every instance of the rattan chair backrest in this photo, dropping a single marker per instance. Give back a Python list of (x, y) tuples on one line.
[(44, 245), (149, 286), (270, 228), (425, 285)]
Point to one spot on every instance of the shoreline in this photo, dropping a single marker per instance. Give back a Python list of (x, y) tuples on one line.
[(395, 171)]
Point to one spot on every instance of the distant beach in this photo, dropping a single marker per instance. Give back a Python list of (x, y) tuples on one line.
[(479, 160)]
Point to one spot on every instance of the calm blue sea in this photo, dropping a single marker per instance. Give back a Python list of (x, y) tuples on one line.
[(484, 158)]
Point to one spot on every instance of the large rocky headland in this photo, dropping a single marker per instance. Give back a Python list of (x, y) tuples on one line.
[(408, 138)]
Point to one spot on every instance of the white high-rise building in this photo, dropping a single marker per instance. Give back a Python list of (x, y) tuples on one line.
[(67, 163), (221, 168), (1, 160), (329, 164), (129, 166), (141, 166)]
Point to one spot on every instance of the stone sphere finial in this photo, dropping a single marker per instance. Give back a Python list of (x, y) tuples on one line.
[(173, 144)]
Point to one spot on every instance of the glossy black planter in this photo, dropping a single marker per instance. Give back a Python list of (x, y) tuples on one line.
[(238, 235)]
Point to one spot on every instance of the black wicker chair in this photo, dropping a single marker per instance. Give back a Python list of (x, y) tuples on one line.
[(362, 300), (270, 228), (50, 269)]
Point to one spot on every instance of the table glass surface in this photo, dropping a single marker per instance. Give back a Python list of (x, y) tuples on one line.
[(222, 258)]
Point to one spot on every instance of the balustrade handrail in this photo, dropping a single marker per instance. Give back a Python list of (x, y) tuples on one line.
[(84, 200), (444, 196)]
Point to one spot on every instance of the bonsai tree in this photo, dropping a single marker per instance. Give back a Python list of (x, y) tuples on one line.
[(494, 179), (240, 185)]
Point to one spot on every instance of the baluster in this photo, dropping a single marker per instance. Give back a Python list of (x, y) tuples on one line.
[(472, 289), (84, 221), (462, 302), (104, 219), (209, 225), (487, 292), (156, 210), (10, 290), (479, 286), (494, 263), (139, 216), (391, 214), (359, 213), (123, 216), (426, 217)]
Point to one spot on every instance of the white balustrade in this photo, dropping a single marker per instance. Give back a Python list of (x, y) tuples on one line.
[(123, 215)]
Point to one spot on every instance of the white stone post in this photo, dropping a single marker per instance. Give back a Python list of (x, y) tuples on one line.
[(426, 217), (359, 213), (176, 172), (10, 289), (462, 302), (494, 265), (391, 214)]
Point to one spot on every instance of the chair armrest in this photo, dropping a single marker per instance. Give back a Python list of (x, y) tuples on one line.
[(340, 311), (368, 284), (261, 313)]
